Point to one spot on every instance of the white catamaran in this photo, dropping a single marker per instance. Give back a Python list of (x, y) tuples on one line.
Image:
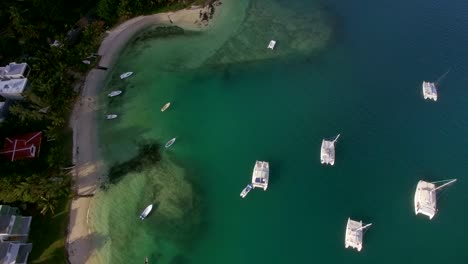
[(354, 234), (429, 90), (260, 175), (327, 151), (425, 197)]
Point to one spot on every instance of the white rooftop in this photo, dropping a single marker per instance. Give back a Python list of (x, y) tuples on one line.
[(13, 69), (429, 91), (13, 86), (260, 174)]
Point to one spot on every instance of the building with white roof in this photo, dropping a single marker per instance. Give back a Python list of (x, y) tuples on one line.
[(13, 88), (14, 71)]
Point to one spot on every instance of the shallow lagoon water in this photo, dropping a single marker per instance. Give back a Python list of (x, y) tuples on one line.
[(228, 110)]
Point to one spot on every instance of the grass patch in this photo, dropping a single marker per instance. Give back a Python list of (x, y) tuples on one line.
[(49, 234)]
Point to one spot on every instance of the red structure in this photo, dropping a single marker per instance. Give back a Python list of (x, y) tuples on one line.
[(25, 146)]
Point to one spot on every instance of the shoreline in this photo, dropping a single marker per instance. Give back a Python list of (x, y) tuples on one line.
[(88, 166)]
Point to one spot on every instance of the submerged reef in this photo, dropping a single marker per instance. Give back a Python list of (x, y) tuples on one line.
[(295, 33)]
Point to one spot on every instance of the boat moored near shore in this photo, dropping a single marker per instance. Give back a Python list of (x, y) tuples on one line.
[(146, 212), (327, 151), (114, 93), (425, 197), (111, 116), (170, 142), (429, 90), (272, 44), (260, 175), (354, 234), (125, 75)]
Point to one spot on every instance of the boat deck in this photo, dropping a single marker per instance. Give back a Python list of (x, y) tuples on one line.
[(354, 233), (429, 91), (425, 201), (260, 175)]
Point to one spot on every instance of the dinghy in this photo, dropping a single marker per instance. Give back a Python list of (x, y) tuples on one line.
[(125, 75), (246, 190), (272, 44), (170, 142), (111, 116), (114, 93), (146, 212), (166, 106)]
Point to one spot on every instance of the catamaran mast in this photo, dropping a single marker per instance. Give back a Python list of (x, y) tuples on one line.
[(445, 184), (336, 138), (363, 227)]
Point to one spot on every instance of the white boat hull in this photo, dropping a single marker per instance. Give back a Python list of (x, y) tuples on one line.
[(125, 75), (165, 107), (109, 117), (170, 142), (146, 212), (114, 93)]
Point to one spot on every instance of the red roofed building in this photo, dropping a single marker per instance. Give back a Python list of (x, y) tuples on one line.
[(25, 146)]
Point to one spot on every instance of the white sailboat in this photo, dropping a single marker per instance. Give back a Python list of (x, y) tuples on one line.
[(425, 197), (246, 190), (111, 116), (125, 75), (327, 151), (260, 175), (354, 234), (170, 142), (114, 93), (146, 212), (429, 90), (166, 106)]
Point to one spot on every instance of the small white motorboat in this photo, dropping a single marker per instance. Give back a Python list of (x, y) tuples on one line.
[(166, 106), (272, 44), (170, 142), (146, 212), (114, 93), (111, 116), (246, 190), (125, 75)]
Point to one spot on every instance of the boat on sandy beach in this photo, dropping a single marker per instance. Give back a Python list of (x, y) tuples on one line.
[(170, 142), (114, 93), (246, 190), (327, 151), (125, 75), (260, 175), (425, 197), (166, 106), (354, 234), (429, 90), (146, 212), (111, 116), (272, 44)]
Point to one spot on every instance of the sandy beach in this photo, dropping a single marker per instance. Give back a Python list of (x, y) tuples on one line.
[(88, 167)]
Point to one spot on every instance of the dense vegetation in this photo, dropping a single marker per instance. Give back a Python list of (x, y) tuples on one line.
[(27, 28)]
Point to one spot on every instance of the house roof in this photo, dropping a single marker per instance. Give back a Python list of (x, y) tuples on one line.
[(8, 210), (13, 69), (24, 146), (13, 86), (15, 225), (17, 252)]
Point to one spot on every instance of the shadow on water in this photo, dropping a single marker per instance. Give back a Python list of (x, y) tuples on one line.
[(149, 153)]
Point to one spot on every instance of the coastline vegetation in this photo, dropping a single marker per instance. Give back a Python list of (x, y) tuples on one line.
[(42, 186)]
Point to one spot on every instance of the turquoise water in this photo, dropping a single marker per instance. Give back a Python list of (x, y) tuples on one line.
[(234, 103)]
